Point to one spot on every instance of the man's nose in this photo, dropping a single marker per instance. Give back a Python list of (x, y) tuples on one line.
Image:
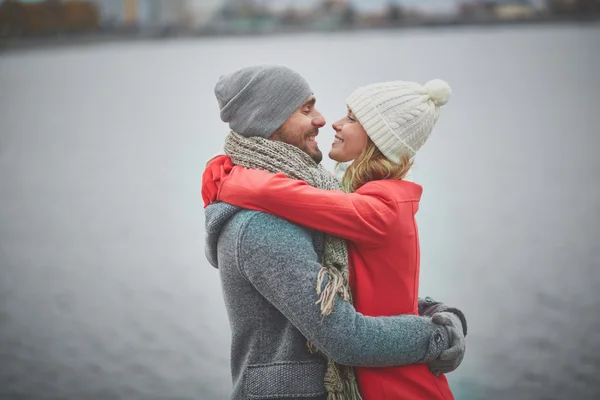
[(319, 121)]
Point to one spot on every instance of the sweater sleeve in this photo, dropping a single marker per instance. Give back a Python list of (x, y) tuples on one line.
[(363, 217), (279, 259)]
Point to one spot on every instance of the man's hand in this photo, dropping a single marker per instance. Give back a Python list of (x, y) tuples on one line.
[(216, 170), (450, 359)]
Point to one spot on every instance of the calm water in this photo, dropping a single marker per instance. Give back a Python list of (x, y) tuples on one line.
[(104, 289)]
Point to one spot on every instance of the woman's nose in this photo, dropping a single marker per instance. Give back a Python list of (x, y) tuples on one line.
[(336, 126)]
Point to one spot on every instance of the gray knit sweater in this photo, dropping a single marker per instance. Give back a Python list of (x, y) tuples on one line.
[(268, 269)]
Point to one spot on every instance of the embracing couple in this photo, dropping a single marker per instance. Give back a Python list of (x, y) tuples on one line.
[(320, 277)]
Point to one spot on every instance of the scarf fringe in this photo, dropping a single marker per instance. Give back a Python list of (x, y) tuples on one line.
[(336, 286), (340, 383)]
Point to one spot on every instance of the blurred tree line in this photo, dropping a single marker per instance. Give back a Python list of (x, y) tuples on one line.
[(52, 17), (47, 17), (574, 8)]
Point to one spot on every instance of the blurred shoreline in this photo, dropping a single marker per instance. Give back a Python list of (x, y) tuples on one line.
[(88, 38)]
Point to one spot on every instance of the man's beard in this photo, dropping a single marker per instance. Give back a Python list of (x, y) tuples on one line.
[(291, 139), (316, 155)]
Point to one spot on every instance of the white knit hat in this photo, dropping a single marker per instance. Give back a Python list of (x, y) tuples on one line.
[(399, 116)]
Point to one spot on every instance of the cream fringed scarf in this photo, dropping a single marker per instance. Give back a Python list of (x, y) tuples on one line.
[(274, 156)]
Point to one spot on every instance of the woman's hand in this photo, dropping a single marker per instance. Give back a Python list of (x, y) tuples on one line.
[(450, 359), (216, 170)]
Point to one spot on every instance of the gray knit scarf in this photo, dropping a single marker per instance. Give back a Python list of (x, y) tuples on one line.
[(274, 156)]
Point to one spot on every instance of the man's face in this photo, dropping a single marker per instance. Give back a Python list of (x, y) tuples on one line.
[(301, 128)]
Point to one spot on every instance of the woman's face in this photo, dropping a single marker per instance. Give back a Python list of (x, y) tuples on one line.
[(350, 139)]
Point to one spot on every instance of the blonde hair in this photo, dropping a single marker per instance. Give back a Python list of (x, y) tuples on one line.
[(372, 165)]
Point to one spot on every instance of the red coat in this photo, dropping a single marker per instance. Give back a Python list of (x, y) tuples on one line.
[(378, 221)]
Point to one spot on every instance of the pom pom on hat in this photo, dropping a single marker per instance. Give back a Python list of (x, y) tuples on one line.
[(439, 91)]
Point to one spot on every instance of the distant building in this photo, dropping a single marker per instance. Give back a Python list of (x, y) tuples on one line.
[(152, 14), (244, 16), (203, 11), (130, 12), (434, 9), (111, 12), (477, 10), (515, 11), (335, 13), (160, 13)]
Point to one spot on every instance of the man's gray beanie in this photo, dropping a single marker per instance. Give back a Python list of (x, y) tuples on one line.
[(257, 100)]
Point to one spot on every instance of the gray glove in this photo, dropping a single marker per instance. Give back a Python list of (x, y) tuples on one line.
[(449, 359)]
